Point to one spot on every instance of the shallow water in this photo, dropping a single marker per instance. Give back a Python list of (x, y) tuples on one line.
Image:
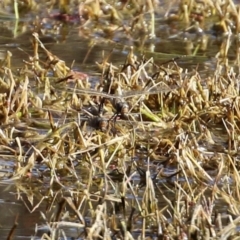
[(13, 209)]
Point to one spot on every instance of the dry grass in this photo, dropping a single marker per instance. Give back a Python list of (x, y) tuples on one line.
[(150, 153)]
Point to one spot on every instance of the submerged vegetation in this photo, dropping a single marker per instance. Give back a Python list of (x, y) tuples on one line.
[(151, 149)]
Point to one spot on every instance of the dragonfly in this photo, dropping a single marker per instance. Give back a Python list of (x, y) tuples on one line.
[(118, 100)]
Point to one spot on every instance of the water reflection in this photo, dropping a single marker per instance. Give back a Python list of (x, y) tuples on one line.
[(70, 43), (11, 208)]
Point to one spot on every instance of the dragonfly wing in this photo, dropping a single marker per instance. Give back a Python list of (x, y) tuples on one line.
[(159, 88)]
